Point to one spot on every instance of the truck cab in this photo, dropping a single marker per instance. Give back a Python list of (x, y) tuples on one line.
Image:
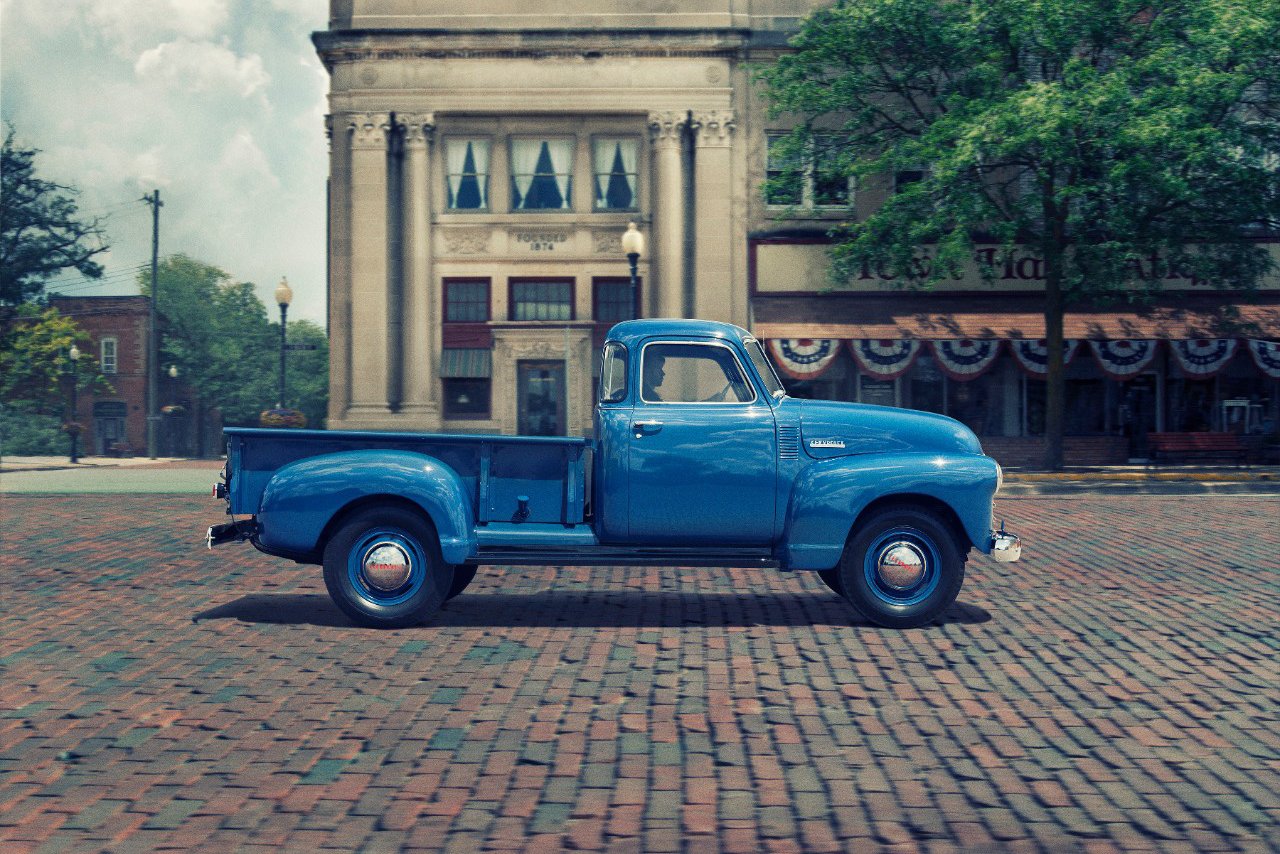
[(699, 458)]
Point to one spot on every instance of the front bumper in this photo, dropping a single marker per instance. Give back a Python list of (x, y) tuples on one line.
[(1005, 547)]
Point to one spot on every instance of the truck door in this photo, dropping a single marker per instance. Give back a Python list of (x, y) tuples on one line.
[(703, 459)]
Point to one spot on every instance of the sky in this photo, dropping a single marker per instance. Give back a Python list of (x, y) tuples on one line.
[(218, 104)]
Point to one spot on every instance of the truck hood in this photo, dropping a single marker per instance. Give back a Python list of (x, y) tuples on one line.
[(834, 429)]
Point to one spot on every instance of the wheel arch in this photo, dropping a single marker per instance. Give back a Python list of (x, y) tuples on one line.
[(915, 501), (368, 502)]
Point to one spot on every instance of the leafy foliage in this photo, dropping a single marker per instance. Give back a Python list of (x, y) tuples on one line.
[(35, 370), (41, 233), (1101, 133), (216, 332)]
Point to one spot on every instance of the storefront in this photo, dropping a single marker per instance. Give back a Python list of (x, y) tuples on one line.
[(1191, 361)]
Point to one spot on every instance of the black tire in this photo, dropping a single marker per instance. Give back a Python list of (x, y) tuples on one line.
[(405, 542), (831, 578), (902, 568), (462, 576)]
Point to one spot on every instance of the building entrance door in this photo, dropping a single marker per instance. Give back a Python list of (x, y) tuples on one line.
[(540, 399), (1138, 413)]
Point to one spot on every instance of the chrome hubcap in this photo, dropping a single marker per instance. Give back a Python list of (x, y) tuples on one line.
[(386, 566), (901, 565)]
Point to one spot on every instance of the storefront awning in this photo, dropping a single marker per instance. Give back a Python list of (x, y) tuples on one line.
[(465, 363), (922, 315)]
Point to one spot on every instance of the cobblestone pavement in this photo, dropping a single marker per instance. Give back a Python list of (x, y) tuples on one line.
[(1116, 690)]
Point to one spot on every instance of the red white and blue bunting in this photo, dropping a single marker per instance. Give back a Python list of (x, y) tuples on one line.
[(1124, 359), (884, 358), (965, 359), (804, 358), (1032, 355), (1203, 357), (1266, 355)]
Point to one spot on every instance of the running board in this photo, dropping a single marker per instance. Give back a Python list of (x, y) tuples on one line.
[(624, 556)]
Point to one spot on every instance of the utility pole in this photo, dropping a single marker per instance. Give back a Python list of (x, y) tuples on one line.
[(153, 349)]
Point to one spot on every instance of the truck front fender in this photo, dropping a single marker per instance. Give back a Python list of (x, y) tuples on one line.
[(830, 494), (302, 498)]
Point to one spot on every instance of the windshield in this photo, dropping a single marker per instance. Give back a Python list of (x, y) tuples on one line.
[(764, 368)]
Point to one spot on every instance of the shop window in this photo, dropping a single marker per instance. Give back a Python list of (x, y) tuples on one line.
[(108, 361), (810, 177), (927, 385), (541, 174), (614, 300), (466, 300), (978, 403), (466, 398), (615, 173), (876, 391), (465, 377), (467, 165), (542, 300)]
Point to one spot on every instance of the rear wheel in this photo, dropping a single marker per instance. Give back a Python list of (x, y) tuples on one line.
[(902, 568), (383, 568)]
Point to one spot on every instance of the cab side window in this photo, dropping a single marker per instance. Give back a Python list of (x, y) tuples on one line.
[(692, 373)]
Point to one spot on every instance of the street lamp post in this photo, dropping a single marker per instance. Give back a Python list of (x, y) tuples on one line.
[(73, 426), (632, 246), (284, 296)]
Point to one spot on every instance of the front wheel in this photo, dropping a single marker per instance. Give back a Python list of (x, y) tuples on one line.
[(903, 568), (383, 568)]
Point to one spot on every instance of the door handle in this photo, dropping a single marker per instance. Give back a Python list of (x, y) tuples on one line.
[(646, 427)]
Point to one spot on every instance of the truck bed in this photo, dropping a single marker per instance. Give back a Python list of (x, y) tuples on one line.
[(498, 472)]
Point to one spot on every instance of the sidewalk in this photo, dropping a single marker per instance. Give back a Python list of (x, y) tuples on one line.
[(1142, 479), (16, 464)]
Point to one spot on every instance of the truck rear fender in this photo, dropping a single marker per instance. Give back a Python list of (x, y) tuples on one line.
[(303, 500), (831, 495)]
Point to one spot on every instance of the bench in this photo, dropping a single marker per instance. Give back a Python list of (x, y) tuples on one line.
[(1168, 447)]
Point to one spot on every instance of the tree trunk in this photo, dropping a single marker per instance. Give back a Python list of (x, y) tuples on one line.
[(1055, 379)]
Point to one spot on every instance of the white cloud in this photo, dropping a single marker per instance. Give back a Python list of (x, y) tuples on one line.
[(202, 67), (129, 24), (308, 10)]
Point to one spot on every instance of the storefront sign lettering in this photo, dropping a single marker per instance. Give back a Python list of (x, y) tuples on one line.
[(1015, 266)]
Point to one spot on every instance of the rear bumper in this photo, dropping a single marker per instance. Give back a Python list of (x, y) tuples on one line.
[(232, 532), (1005, 547)]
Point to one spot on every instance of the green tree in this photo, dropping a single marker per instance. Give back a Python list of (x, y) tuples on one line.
[(36, 375), (216, 332), (1099, 133), (41, 233), (308, 371)]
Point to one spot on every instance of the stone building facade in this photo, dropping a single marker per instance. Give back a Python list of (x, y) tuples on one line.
[(486, 159)]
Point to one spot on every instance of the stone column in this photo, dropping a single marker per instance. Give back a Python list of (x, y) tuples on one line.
[(339, 302), (714, 239), (667, 130), (369, 269), (420, 326)]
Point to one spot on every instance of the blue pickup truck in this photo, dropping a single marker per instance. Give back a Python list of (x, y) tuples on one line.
[(699, 459)]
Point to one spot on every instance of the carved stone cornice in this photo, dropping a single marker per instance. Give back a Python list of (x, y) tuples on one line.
[(715, 128), (369, 130), (418, 128), (667, 129)]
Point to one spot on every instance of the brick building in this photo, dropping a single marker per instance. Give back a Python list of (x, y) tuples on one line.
[(115, 422)]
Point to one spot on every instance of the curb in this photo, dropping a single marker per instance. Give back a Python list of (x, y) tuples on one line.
[(1114, 487)]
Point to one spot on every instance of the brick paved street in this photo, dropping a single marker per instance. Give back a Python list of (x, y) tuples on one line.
[(1116, 690)]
